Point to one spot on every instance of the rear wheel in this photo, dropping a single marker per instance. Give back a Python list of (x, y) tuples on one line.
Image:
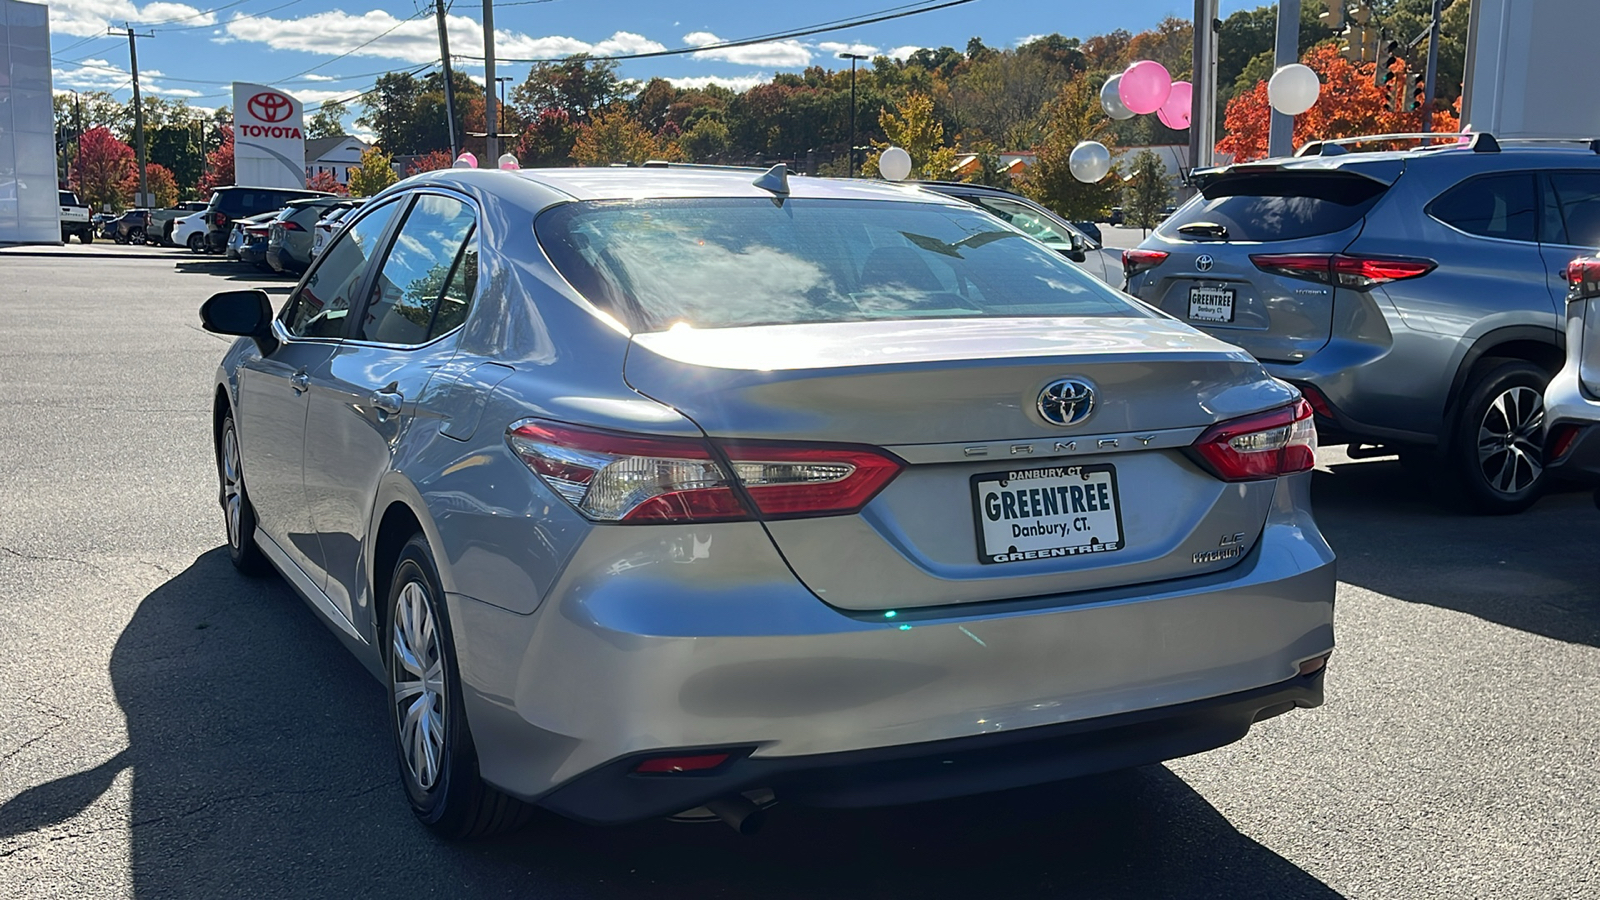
[(135, 235), (197, 243), (1497, 450), (86, 236), (438, 763)]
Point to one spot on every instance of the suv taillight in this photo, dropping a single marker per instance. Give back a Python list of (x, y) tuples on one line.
[(219, 219), (1136, 261), (1282, 441), (1346, 271), (1583, 278), (611, 476)]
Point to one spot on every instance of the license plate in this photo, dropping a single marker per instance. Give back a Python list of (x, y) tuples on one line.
[(1046, 513), (1211, 304)]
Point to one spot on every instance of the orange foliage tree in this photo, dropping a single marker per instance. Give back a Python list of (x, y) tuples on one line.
[(1350, 105), (327, 181), (219, 165), (428, 162), (102, 168), (158, 180)]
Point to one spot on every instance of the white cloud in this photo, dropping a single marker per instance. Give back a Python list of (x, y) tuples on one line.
[(313, 99), (314, 77), (904, 52), (521, 46), (1028, 39), (786, 54), (90, 18), (170, 92), (833, 49), (739, 83)]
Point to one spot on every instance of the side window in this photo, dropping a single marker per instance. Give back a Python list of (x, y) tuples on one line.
[(425, 277), (320, 307), (1578, 202), (1026, 219), (1497, 206)]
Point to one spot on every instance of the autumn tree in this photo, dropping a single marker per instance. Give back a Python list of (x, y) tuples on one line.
[(101, 173), (1350, 105), (375, 173), (578, 85), (159, 181), (219, 165), (914, 129), (614, 136), (1075, 116), (547, 139), (429, 162), (327, 181), (1149, 192)]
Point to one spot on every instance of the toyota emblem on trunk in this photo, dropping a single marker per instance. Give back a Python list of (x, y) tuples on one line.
[(1066, 401), (1203, 262)]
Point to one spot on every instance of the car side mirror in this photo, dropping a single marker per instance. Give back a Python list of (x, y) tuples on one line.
[(243, 313), (1075, 248)]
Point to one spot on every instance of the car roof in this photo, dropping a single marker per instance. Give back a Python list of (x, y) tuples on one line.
[(1508, 153), (667, 182)]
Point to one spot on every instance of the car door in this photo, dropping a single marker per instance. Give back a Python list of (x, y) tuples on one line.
[(1571, 220), (367, 395), (274, 387)]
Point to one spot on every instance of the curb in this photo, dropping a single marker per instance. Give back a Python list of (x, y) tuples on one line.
[(48, 252)]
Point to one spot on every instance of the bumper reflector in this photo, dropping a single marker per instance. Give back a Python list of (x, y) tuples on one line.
[(1315, 663), (672, 765)]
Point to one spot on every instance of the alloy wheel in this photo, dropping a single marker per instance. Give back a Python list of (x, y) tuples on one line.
[(1509, 440), (232, 487), (417, 684)]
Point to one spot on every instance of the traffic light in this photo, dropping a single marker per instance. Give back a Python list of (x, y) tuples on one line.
[(1362, 14), (1333, 17), (1386, 61), (1411, 94), (1357, 46)]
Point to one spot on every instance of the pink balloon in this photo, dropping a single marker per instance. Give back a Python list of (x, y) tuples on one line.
[(1145, 86), (1176, 111)]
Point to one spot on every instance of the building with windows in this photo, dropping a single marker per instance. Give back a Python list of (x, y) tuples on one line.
[(338, 155)]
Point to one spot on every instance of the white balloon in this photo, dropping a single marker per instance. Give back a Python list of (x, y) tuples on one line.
[(1111, 101), (1293, 89), (1089, 162), (509, 161), (894, 164)]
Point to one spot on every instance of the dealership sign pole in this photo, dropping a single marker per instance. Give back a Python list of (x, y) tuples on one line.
[(269, 142)]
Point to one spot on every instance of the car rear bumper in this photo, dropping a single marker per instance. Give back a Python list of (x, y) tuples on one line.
[(1566, 403), (935, 770), (654, 640)]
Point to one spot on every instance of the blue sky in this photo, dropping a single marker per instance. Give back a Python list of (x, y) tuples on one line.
[(321, 49)]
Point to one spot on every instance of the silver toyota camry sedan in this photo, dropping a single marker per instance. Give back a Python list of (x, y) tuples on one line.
[(674, 491)]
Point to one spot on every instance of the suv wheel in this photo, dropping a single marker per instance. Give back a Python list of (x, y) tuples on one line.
[(1498, 446), (197, 243), (135, 235)]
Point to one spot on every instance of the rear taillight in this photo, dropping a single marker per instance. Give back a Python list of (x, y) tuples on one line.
[(1279, 442), (1559, 441), (219, 219), (1136, 261), (614, 477), (291, 225), (1583, 278), (1346, 271)]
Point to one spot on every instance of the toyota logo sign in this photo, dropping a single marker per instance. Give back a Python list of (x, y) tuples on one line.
[(1066, 401), (270, 106)]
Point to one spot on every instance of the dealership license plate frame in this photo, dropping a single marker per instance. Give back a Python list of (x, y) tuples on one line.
[(1078, 472), (1228, 297)]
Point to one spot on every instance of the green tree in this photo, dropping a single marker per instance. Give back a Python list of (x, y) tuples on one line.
[(375, 173), (1073, 117), (578, 85), (614, 136), (916, 130), (327, 121), (1149, 191), (706, 140), (1001, 96)]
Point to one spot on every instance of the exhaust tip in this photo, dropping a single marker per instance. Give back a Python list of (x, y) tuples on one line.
[(738, 812)]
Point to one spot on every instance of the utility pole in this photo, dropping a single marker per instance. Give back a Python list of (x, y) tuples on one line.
[(1433, 67), (853, 57), (449, 85), (491, 114), (1202, 122), (1280, 139), (138, 107)]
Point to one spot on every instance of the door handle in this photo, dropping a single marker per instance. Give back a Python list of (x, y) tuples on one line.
[(300, 381), (387, 401)]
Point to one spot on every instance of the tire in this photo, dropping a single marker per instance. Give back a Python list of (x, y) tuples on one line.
[(86, 236), (239, 516), (119, 237), (135, 235), (197, 243), (1496, 450), (433, 745)]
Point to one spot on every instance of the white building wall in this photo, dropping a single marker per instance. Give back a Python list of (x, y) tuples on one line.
[(28, 200), (1529, 68)]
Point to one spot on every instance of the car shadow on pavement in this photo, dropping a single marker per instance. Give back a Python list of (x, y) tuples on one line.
[(261, 764), (231, 270), (1535, 572)]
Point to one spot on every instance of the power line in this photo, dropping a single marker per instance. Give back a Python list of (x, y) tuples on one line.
[(238, 18), (197, 14), (372, 40), (745, 42)]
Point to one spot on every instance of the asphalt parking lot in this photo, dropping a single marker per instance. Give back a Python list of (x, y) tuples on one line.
[(174, 730)]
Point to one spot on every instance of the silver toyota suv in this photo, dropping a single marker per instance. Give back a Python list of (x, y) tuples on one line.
[(1414, 296)]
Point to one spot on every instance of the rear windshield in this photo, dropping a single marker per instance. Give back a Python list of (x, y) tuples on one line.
[(1276, 207), (720, 263)]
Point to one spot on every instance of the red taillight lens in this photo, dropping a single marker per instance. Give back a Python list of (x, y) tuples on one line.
[(1319, 403), (671, 765), (1560, 441), (1346, 271), (291, 225), (1280, 442), (1583, 278), (614, 477), (220, 220), (1136, 261)]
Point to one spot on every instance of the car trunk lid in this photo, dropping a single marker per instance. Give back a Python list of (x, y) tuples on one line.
[(1114, 500)]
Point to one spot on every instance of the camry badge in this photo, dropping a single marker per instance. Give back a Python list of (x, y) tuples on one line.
[(1066, 401), (1203, 262)]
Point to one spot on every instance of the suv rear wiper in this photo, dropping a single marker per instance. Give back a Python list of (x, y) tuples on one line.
[(1208, 230)]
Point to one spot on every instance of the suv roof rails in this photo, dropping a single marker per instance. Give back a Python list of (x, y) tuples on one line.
[(709, 167), (1593, 143), (1335, 146)]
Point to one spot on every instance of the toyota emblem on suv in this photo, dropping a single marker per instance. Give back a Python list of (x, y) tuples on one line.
[(1066, 401), (1203, 262)]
